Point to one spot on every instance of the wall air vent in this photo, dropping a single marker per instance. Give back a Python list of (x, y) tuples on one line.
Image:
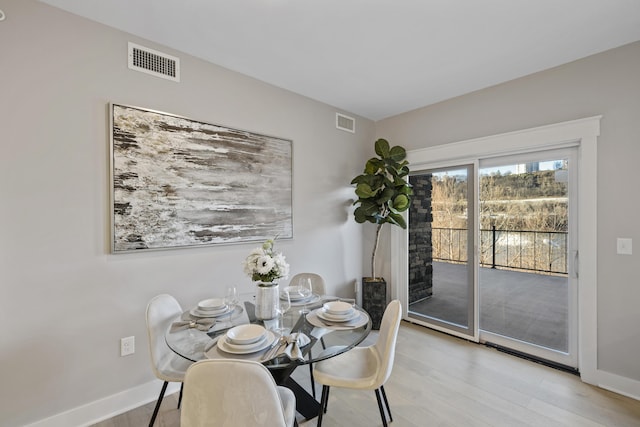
[(153, 62), (345, 123)]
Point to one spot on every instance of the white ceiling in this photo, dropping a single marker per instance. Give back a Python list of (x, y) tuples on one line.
[(376, 58)]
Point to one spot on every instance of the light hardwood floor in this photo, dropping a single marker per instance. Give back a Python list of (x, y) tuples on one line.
[(440, 380)]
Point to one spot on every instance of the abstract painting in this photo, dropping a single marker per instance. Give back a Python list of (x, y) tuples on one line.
[(178, 182)]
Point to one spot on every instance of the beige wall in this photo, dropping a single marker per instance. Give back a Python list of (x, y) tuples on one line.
[(606, 84), (65, 302)]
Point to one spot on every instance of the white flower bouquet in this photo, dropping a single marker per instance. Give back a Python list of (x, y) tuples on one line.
[(263, 264)]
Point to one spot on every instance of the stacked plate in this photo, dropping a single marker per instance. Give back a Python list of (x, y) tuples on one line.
[(245, 339), (213, 307), (299, 295), (337, 311)]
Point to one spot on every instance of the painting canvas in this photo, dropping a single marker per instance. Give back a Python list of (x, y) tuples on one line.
[(178, 182)]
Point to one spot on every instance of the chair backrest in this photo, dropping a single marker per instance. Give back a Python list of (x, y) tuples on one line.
[(317, 282), (230, 392), (386, 343), (161, 311)]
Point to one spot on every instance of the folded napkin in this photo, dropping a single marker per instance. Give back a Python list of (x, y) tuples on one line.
[(292, 349), (200, 324)]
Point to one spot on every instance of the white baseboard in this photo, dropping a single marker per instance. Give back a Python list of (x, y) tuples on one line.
[(108, 407), (618, 384)]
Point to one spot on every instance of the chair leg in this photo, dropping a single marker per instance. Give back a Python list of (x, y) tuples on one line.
[(382, 414), (386, 402), (155, 411), (313, 383), (180, 396), (326, 405), (323, 404)]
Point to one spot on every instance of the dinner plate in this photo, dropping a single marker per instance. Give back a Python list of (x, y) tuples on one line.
[(246, 334), (224, 345), (296, 293), (337, 308), (209, 313), (245, 347), (333, 318), (211, 304), (361, 320), (312, 299), (216, 312)]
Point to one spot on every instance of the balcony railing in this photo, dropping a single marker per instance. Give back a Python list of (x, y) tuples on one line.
[(540, 251)]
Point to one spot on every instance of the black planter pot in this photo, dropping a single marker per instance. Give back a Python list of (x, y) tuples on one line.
[(374, 298)]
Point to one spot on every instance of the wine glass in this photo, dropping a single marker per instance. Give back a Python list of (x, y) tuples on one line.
[(306, 288), (283, 304), (231, 297), (231, 300)]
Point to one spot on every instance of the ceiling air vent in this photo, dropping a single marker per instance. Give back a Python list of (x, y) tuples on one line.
[(345, 123), (153, 62)]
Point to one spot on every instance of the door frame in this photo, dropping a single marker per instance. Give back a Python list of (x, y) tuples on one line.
[(581, 133)]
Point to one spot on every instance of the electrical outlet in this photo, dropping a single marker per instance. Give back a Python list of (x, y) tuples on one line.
[(127, 346), (624, 246)]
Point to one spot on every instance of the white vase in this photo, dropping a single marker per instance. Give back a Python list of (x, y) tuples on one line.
[(267, 300)]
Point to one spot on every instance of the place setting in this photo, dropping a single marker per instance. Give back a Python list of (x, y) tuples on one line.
[(210, 313), (338, 315), (300, 295), (253, 341)]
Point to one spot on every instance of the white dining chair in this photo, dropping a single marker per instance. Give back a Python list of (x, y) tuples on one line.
[(235, 392), (363, 368), (318, 288), (317, 282), (166, 365)]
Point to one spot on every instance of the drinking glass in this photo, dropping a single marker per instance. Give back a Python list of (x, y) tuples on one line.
[(283, 305), (306, 286), (231, 297)]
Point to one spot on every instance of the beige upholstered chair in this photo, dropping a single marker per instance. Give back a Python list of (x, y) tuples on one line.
[(364, 368), (235, 392), (166, 365), (317, 285)]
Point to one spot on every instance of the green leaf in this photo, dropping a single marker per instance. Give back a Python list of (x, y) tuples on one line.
[(401, 203), (373, 166), (397, 219), (386, 195), (363, 190), (397, 153), (382, 148)]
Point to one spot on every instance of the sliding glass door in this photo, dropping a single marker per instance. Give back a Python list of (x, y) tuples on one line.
[(490, 253), (441, 250), (527, 296)]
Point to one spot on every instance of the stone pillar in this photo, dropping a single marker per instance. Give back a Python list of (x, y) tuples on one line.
[(420, 246)]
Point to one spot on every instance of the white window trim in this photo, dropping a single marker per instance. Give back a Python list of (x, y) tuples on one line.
[(582, 133)]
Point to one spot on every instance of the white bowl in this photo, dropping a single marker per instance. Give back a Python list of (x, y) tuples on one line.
[(246, 334), (211, 304), (337, 308)]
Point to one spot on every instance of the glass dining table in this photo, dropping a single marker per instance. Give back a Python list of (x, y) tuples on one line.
[(325, 339)]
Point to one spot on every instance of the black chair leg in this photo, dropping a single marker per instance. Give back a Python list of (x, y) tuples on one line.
[(323, 404), (180, 397), (313, 383), (382, 414), (386, 402), (155, 411)]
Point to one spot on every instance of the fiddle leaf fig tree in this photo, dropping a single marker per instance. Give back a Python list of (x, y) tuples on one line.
[(383, 191)]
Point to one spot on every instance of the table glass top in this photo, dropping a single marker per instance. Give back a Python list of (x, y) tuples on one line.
[(326, 338)]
